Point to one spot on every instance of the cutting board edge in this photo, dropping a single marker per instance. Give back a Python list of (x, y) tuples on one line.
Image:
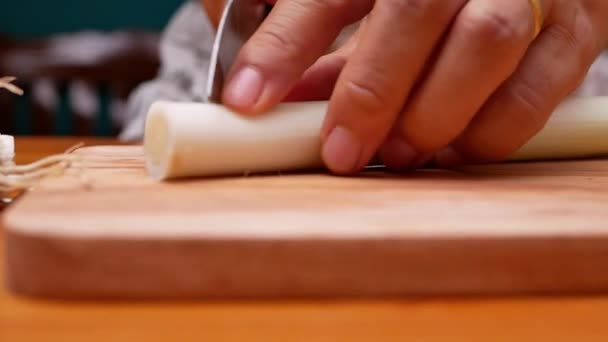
[(12, 223), (64, 269)]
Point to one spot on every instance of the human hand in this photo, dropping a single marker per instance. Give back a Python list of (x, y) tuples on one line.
[(458, 80)]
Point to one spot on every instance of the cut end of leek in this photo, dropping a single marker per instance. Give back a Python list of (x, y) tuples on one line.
[(157, 143)]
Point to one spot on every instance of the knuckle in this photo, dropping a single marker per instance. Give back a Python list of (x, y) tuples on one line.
[(411, 8), (493, 27), (334, 6), (342, 11), (366, 96), (564, 35), (530, 97), (579, 38), (276, 42)]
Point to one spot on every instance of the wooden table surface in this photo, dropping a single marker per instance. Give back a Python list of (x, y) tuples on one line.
[(448, 319)]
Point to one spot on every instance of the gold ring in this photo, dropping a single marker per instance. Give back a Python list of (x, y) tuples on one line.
[(537, 10)]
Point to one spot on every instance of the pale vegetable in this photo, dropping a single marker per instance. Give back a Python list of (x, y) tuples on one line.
[(196, 139), (577, 129), (7, 149), (200, 139)]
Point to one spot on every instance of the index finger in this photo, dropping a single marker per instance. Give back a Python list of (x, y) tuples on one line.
[(295, 34)]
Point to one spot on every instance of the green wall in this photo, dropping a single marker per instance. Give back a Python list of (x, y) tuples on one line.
[(34, 18)]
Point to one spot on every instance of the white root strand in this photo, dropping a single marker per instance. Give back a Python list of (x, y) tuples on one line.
[(15, 178), (23, 177), (199, 139)]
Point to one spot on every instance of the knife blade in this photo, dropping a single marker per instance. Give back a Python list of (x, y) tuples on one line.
[(240, 20)]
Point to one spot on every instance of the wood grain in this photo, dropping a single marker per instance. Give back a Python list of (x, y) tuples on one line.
[(507, 229), (435, 319)]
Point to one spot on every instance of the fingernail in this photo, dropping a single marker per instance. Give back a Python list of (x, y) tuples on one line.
[(245, 88), (342, 150), (448, 158), (398, 154)]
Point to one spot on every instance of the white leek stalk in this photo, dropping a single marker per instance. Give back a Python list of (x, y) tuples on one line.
[(201, 139), (196, 139), (577, 129)]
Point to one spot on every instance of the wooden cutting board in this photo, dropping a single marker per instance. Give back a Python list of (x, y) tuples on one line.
[(507, 229)]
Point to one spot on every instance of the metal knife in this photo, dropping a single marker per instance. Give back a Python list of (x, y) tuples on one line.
[(240, 19)]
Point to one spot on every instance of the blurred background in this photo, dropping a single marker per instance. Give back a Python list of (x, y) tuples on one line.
[(77, 60)]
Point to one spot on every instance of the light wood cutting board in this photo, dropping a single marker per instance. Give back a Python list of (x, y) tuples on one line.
[(507, 229)]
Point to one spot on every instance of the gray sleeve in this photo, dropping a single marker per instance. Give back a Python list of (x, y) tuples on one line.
[(185, 50), (185, 55)]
